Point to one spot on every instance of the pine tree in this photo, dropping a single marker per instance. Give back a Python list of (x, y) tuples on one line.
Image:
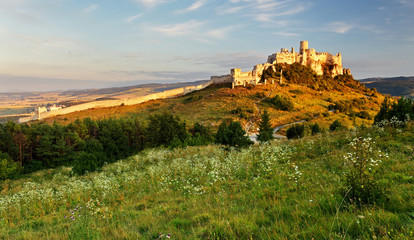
[(265, 129)]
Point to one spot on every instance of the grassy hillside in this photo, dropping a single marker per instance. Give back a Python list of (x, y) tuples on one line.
[(282, 190), (396, 86), (210, 106)]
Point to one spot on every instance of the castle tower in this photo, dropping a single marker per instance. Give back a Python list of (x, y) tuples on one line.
[(303, 46)]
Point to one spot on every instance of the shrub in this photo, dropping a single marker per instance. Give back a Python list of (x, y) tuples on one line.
[(335, 125), (8, 168), (315, 129), (361, 180), (364, 115), (296, 91), (280, 102), (232, 135), (296, 131), (85, 162), (238, 110), (326, 114)]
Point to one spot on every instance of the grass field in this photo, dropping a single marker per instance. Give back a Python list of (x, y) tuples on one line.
[(282, 190)]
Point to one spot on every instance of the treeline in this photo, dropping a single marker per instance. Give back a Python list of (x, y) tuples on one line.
[(402, 110), (87, 145)]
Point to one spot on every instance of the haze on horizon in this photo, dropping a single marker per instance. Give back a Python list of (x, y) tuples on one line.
[(62, 44)]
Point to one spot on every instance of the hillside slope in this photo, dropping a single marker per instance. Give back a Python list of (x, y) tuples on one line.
[(281, 190), (396, 86), (312, 96)]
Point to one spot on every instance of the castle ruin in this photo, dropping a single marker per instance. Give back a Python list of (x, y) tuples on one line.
[(306, 57)]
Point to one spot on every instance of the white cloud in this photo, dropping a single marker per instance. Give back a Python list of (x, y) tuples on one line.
[(195, 30), (132, 18), (180, 28), (90, 8), (150, 3), (196, 5), (265, 11), (339, 27), (286, 34)]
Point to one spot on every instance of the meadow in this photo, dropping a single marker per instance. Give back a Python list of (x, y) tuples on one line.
[(285, 189)]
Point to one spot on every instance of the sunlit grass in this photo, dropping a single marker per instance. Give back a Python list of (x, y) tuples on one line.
[(282, 190), (210, 106)]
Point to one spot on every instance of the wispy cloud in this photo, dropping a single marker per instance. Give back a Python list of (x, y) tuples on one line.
[(339, 27), (264, 11), (133, 18), (150, 3), (90, 8), (185, 28), (286, 34), (195, 6), (196, 30)]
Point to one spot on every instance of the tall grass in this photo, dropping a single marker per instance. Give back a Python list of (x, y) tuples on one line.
[(280, 190)]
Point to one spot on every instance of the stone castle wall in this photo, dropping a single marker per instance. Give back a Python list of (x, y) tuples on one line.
[(112, 103)]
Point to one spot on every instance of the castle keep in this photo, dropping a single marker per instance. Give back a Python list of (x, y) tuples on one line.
[(306, 56)]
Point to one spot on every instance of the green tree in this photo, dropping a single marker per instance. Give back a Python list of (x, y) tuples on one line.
[(265, 129), (232, 135), (296, 131), (8, 167), (163, 129)]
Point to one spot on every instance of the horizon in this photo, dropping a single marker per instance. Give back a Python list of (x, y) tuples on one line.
[(60, 45)]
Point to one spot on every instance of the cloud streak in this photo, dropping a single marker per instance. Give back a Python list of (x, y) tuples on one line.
[(134, 17), (195, 6), (90, 8)]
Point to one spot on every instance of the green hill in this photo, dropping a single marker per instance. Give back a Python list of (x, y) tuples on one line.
[(282, 190), (396, 86)]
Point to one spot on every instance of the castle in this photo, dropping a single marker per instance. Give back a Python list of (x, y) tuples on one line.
[(306, 56)]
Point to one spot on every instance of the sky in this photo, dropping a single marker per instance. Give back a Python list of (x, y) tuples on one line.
[(69, 44)]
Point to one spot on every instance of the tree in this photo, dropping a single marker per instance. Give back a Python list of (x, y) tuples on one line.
[(232, 135), (8, 167), (265, 129), (296, 131), (163, 129)]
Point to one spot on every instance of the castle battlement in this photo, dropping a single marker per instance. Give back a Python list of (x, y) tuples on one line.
[(306, 56)]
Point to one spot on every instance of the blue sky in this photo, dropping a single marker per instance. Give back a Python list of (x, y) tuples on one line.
[(139, 41)]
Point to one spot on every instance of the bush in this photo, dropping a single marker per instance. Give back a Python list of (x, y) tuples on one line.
[(364, 115), (296, 91), (9, 169), (296, 131), (280, 102), (335, 125), (361, 181), (315, 129), (238, 110), (84, 162)]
